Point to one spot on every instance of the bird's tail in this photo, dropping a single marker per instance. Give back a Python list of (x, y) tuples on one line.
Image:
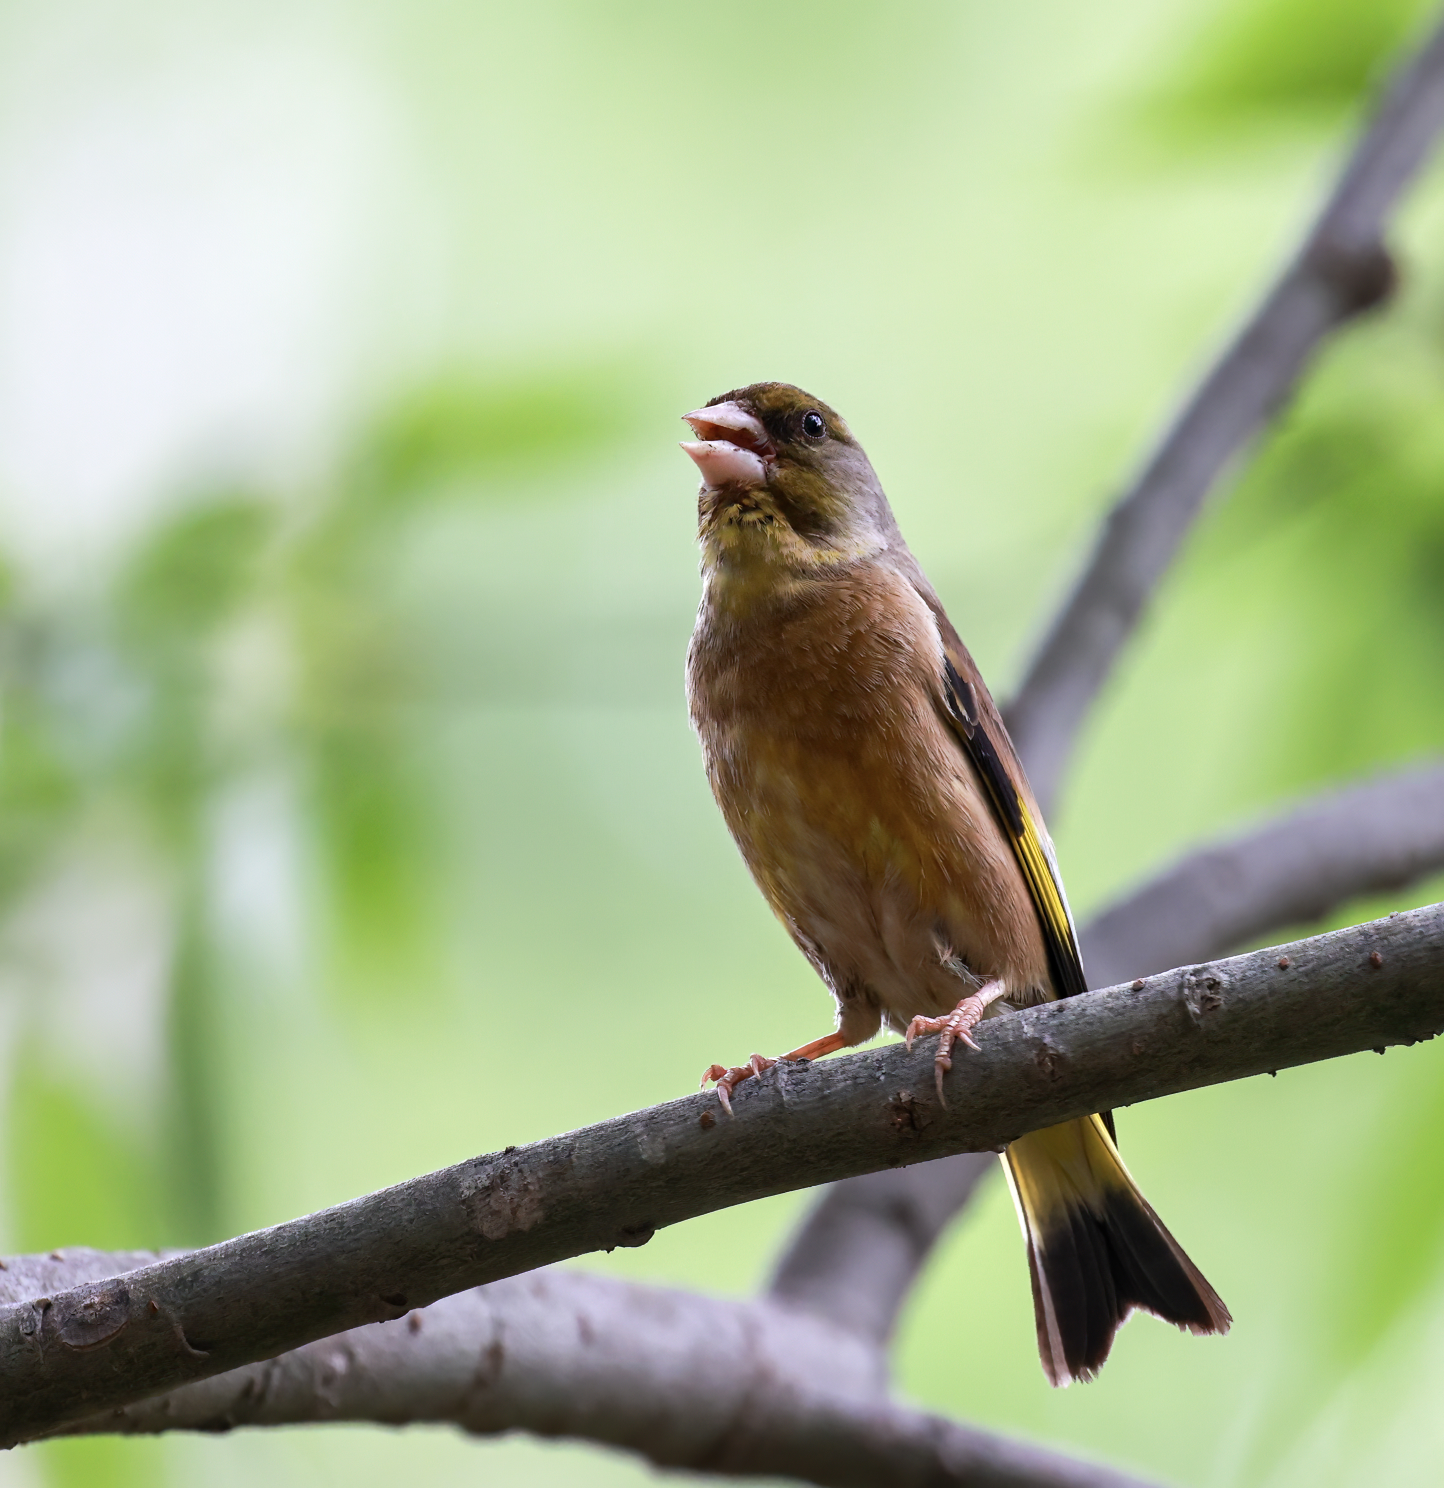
[(1096, 1250)]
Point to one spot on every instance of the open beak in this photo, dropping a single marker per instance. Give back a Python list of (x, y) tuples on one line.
[(732, 447)]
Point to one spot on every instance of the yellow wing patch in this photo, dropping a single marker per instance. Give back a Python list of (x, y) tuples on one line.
[(1030, 847)]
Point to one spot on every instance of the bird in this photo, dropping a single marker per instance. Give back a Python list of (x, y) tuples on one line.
[(867, 778)]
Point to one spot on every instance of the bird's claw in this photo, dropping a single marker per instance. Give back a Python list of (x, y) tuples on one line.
[(729, 1079), (955, 1027)]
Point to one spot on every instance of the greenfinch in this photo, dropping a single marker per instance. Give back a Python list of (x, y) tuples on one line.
[(866, 776)]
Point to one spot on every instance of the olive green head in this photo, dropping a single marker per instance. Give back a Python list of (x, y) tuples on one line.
[(777, 455)]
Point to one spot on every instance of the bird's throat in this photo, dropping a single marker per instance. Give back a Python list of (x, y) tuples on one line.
[(748, 547), (751, 552)]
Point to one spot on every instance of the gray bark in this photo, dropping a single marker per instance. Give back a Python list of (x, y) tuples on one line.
[(108, 1343), (741, 1388)]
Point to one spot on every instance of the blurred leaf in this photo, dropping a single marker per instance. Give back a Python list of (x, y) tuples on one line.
[(103, 1462), (190, 575), (456, 435), (183, 585), (39, 788), (1340, 519), (74, 1175), (194, 1174), (1288, 57), (1392, 1229), (364, 696)]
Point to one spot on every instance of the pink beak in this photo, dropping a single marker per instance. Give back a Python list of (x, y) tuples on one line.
[(733, 449)]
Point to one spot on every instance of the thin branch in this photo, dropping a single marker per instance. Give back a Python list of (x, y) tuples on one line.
[(735, 1388), (1340, 269), (106, 1344), (1295, 869), (860, 1249)]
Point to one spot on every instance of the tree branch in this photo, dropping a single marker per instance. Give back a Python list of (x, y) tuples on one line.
[(1292, 870), (1340, 269), (851, 1265), (738, 1388), (857, 1254), (106, 1344)]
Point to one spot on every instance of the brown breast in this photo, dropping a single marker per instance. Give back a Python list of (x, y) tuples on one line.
[(854, 807)]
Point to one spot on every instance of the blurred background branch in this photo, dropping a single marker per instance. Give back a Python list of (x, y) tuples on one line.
[(696, 1383), (1341, 268)]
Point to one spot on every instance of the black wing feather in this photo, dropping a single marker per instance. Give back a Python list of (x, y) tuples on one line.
[(1024, 834)]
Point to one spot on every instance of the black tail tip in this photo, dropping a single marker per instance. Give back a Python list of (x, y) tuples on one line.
[(1090, 1271)]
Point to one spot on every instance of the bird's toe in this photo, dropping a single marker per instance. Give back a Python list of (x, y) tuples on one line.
[(728, 1079)]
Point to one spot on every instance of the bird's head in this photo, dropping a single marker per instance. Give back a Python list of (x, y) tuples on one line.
[(783, 479)]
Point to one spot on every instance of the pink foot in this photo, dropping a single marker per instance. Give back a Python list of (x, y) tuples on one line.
[(729, 1079), (957, 1025)]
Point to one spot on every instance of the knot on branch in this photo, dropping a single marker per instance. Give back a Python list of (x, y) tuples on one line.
[(908, 1115), (92, 1319), (1051, 1062), (1360, 276), (1203, 992), (507, 1201)]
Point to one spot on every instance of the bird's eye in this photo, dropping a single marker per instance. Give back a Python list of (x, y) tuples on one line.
[(813, 425)]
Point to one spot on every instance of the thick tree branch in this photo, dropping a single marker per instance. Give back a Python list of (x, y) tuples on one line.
[(862, 1245), (1341, 268), (106, 1344), (685, 1381), (1294, 869), (851, 1265)]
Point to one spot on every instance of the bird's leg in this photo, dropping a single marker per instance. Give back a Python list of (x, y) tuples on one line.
[(829, 1043), (729, 1079), (958, 1024)]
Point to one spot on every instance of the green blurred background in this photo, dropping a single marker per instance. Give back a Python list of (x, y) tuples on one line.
[(348, 569)]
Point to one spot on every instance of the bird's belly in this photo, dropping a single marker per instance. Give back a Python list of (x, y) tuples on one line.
[(881, 855)]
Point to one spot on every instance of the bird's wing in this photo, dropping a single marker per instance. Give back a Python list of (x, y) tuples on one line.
[(975, 722)]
